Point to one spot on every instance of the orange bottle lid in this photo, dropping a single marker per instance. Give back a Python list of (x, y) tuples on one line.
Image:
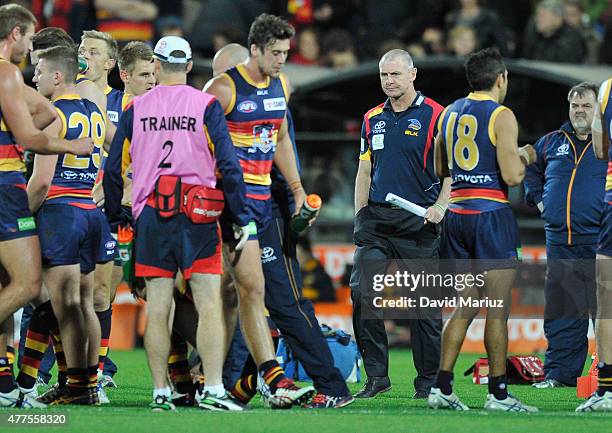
[(314, 201)]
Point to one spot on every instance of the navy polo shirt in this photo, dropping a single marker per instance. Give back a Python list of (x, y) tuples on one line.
[(400, 146)]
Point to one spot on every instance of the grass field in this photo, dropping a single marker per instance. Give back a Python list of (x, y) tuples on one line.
[(394, 411)]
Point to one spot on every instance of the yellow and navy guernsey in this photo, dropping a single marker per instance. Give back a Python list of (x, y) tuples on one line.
[(467, 127), (254, 117), (12, 165), (606, 114), (74, 176), (400, 147)]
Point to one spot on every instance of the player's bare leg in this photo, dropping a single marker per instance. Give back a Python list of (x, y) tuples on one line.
[(250, 286), (17, 255), (157, 334)]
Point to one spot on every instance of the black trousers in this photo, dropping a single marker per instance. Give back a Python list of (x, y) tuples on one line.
[(383, 234)]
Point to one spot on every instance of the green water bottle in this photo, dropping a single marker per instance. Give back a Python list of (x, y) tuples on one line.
[(309, 209), (125, 240)]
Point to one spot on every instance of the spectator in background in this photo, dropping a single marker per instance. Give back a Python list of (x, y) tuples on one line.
[(338, 49), (317, 286), (576, 17), (308, 48), (324, 14), (548, 38), (433, 41), (228, 34), (605, 55), (126, 20), (490, 30), (169, 25), (462, 41), (73, 16)]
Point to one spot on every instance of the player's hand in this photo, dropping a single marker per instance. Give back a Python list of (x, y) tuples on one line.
[(242, 235), (97, 193), (81, 146), (299, 196), (528, 154), (434, 214)]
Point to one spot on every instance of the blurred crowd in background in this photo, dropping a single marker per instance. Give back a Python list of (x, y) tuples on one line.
[(342, 33)]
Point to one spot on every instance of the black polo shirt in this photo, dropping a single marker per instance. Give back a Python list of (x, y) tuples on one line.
[(401, 148)]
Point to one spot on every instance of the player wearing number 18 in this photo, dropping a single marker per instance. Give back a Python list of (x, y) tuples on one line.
[(72, 228), (477, 146)]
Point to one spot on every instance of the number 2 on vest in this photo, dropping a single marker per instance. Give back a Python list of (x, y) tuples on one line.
[(167, 145)]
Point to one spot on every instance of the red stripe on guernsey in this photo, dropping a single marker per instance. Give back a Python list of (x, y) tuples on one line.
[(366, 118), (609, 168), (464, 211), (23, 186), (247, 127), (256, 167), (437, 109), (479, 192), (37, 337), (62, 190), (9, 151), (259, 196), (152, 271)]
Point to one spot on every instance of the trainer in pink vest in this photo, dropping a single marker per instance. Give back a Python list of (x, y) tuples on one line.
[(168, 139)]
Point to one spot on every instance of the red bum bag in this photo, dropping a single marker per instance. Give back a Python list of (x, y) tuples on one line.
[(201, 204)]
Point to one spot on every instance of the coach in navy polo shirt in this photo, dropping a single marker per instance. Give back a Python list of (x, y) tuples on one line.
[(397, 156)]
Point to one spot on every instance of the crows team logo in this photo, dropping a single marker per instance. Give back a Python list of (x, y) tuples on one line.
[(263, 139), (413, 128)]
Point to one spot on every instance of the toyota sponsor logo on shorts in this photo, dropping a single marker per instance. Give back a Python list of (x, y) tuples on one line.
[(247, 106), (267, 255)]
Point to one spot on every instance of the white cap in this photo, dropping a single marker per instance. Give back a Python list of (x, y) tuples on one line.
[(168, 44)]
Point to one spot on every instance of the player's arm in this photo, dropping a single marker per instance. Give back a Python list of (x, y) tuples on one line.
[(535, 176), (42, 173), (363, 179), (511, 160), (227, 163), (88, 90), (221, 88), (41, 109), (440, 157), (19, 120), (285, 161), (601, 133), (116, 165)]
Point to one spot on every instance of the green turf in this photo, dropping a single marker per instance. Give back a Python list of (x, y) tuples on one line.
[(390, 412)]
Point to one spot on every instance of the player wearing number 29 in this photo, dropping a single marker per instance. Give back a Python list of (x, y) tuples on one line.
[(72, 228), (176, 138), (477, 146)]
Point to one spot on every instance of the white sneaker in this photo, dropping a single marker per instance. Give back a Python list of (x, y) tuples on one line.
[(31, 393), (107, 381), (438, 400), (16, 398), (102, 394), (226, 402), (595, 403), (287, 393), (509, 404)]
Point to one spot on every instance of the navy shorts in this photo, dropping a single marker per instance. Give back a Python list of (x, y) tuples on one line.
[(108, 246), (260, 217), (604, 246), (490, 237), (71, 235), (163, 246), (16, 220)]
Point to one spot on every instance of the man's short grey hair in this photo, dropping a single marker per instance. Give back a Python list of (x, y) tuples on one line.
[(397, 54), (582, 89), (555, 6)]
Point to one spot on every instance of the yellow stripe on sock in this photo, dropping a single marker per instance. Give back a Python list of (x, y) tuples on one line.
[(36, 345)]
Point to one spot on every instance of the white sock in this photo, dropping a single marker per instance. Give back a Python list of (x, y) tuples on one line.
[(215, 390), (162, 391)]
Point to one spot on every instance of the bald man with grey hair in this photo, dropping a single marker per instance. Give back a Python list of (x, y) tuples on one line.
[(228, 57), (396, 156)]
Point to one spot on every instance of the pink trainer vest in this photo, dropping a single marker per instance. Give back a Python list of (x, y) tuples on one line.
[(168, 138)]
